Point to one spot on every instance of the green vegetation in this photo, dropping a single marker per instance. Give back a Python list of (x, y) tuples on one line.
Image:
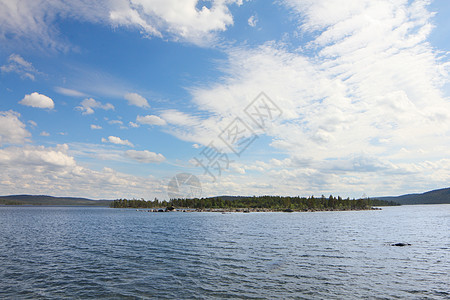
[(275, 203)]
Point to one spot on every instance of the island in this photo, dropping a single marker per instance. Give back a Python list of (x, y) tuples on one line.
[(254, 204)]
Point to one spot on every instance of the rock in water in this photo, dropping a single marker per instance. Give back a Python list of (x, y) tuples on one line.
[(401, 244)]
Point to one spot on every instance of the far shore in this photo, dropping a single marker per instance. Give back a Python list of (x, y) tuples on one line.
[(242, 210)]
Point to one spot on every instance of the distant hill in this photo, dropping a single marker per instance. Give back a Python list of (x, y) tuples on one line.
[(49, 200), (441, 196)]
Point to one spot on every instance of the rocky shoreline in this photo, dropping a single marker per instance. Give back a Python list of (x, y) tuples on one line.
[(242, 210)]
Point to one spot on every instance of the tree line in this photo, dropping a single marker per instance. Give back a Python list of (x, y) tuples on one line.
[(277, 203)]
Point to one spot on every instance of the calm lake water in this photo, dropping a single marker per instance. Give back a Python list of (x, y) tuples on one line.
[(80, 252)]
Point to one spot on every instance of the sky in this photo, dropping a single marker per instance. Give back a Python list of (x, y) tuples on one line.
[(114, 99)]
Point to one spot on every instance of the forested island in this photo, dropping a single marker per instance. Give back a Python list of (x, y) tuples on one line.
[(256, 203)]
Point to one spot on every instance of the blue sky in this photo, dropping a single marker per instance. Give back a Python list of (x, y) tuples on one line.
[(113, 98)]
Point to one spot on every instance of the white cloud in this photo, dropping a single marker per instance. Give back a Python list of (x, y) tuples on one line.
[(69, 92), (32, 24), (93, 126), (37, 100), (237, 168), (150, 120), (52, 170), (317, 178), (17, 64), (133, 125), (363, 104), (252, 21), (193, 128), (116, 140), (36, 155), (176, 117), (35, 22), (32, 123), (87, 106), (44, 133), (179, 19), (12, 130), (125, 15), (97, 152), (372, 78), (145, 156), (136, 100), (115, 122), (94, 81)]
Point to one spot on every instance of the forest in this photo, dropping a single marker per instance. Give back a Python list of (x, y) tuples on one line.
[(273, 203)]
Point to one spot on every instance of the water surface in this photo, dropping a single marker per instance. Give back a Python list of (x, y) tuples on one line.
[(81, 252)]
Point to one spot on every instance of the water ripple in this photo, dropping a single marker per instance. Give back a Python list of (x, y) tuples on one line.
[(100, 253)]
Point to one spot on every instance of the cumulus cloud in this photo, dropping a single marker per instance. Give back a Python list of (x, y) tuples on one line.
[(17, 64), (179, 19), (145, 156), (117, 140), (44, 133), (37, 100), (136, 100), (93, 126), (37, 155), (150, 120), (43, 170), (87, 106), (12, 130)]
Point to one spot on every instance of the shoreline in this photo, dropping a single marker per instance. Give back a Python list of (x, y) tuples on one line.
[(244, 210)]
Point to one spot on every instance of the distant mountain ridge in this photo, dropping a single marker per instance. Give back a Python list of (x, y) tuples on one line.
[(440, 196), (49, 200)]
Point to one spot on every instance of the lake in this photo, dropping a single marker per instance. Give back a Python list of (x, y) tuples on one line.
[(85, 252)]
